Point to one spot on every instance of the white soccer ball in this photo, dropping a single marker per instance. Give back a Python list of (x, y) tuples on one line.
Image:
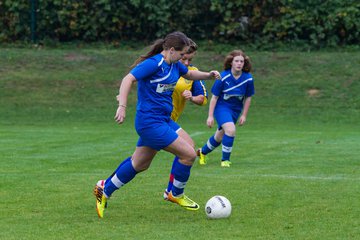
[(218, 207)]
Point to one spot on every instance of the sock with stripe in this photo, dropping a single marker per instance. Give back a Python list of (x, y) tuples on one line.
[(210, 145), (181, 176), (123, 162), (171, 177), (227, 144), (124, 174)]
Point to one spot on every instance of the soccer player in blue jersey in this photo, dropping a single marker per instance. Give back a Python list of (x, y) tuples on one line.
[(156, 74), (185, 90), (231, 96)]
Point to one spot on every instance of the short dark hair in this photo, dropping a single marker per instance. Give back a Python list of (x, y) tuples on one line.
[(192, 46)]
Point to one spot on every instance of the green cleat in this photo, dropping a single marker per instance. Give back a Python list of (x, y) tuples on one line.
[(202, 157), (101, 200), (225, 163), (184, 202)]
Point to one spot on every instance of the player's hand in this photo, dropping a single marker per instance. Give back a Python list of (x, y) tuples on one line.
[(215, 74), (187, 94), (210, 122), (242, 120), (120, 114)]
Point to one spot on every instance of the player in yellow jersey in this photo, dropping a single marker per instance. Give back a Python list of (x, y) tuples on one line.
[(185, 90)]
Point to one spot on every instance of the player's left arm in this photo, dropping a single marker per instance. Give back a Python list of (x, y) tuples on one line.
[(199, 93), (245, 111), (250, 91), (198, 100), (199, 75)]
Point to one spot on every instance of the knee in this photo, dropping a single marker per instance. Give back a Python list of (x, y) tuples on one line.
[(230, 132), (189, 159), (140, 167)]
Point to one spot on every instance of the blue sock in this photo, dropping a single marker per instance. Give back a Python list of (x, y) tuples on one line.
[(227, 144), (181, 176), (124, 174), (210, 145), (109, 178), (171, 177)]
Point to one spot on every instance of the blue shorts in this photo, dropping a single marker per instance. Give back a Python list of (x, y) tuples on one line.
[(174, 125), (224, 115), (157, 135)]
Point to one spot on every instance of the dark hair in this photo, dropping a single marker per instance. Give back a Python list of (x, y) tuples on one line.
[(177, 40), (192, 47), (230, 57)]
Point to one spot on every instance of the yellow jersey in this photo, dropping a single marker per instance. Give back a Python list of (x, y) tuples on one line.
[(196, 87)]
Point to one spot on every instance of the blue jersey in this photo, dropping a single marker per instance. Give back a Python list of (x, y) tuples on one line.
[(156, 82), (231, 91)]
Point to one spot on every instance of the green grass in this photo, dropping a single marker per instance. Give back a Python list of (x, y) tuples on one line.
[(295, 172)]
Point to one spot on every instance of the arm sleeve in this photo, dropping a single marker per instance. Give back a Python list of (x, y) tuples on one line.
[(250, 89), (199, 88), (217, 88), (182, 69), (144, 69)]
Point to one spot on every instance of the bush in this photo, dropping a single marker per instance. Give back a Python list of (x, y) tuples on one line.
[(313, 22)]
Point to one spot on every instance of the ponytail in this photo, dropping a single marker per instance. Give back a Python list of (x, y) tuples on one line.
[(177, 40), (156, 48)]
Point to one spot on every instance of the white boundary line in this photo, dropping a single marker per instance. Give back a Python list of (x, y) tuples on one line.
[(196, 134), (304, 177)]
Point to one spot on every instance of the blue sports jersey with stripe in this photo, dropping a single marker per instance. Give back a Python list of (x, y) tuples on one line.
[(156, 82), (231, 91)]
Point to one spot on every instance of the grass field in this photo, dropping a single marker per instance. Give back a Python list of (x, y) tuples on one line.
[(295, 171)]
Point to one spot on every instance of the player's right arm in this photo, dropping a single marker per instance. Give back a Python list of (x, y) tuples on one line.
[(216, 91), (210, 119), (142, 71), (124, 91)]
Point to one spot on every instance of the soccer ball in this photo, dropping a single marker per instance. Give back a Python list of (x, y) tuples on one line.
[(218, 207)]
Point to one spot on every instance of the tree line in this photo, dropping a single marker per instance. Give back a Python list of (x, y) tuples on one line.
[(314, 22)]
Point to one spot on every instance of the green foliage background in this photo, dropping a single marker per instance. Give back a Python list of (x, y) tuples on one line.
[(313, 22)]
